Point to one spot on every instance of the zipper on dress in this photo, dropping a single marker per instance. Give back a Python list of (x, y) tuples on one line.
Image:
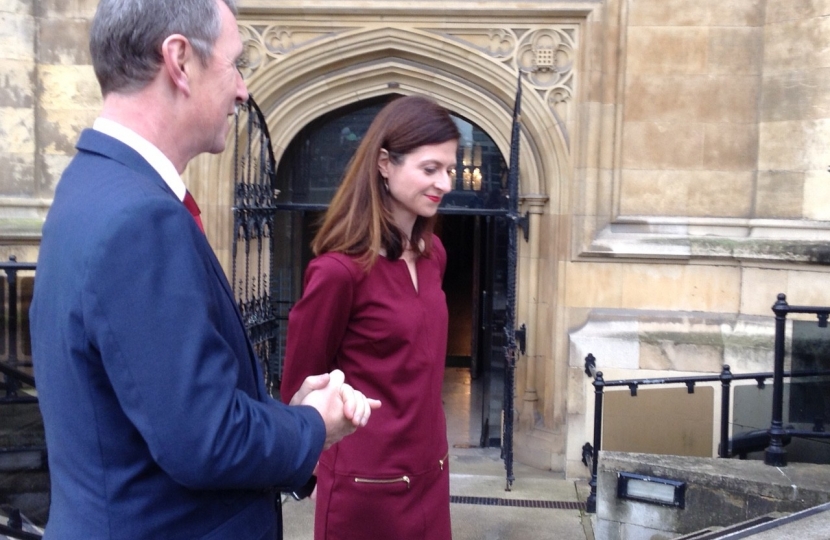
[(383, 481), (442, 460)]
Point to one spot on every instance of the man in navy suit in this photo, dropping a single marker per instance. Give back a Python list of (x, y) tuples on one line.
[(157, 420)]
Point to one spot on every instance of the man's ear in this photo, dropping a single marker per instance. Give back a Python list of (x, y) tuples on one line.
[(178, 55), (383, 163)]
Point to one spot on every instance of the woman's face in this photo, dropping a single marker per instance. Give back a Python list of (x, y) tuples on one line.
[(418, 183)]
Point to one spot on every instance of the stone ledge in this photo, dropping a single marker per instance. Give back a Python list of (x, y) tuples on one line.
[(719, 492)]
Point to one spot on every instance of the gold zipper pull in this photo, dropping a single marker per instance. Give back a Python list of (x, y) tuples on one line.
[(384, 480)]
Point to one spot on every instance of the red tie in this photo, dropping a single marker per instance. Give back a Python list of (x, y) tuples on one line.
[(191, 205)]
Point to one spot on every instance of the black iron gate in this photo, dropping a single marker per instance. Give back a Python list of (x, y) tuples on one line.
[(252, 277), (513, 337)]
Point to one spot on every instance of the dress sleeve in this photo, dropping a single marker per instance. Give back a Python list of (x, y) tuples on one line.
[(317, 322)]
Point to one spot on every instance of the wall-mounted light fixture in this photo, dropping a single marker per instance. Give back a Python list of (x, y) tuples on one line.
[(651, 489)]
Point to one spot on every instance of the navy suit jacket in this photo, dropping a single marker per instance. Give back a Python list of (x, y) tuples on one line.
[(157, 420)]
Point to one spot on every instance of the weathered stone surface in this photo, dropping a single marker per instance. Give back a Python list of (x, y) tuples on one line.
[(689, 193), (696, 13), (68, 9), (678, 287), (17, 175), (53, 167), (759, 288), (64, 42), (816, 196), (667, 50), (17, 131), (796, 95), (17, 37), (700, 98), (797, 44), (19, 7), (730, 146), (17, 84), (784, 10), (662, 145), (794, 145), (735, 50), (721, 193), (779, 194), (69, 87), (58, 130)]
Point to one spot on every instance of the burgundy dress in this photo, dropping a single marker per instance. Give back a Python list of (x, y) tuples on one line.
[(390, 479)]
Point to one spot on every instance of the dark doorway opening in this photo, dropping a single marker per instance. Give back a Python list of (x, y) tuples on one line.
[(475, 283)]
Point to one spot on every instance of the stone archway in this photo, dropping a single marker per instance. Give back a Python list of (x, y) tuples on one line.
[(327, 72)]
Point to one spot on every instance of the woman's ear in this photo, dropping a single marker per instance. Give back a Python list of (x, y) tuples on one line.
[(383, 163)]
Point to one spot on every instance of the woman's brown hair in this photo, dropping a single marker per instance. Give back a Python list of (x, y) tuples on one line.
[(359, 218)]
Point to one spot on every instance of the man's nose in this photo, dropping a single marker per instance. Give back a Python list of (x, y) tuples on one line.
[(241, 90)]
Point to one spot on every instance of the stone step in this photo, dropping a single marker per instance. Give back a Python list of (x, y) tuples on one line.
[(30, 458)]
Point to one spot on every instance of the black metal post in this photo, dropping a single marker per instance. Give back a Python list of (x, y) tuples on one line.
[(11, 274), (775, 453), (11, 278), (725, 382), (599, 386)]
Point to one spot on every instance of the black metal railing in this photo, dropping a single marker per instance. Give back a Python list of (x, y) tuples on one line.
[(13, 364), (775, 453), (726, 448), (776, 437), (16, 367)]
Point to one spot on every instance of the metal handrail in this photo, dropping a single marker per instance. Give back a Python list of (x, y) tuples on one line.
[(775, 454), (725, 377), (14, 378)]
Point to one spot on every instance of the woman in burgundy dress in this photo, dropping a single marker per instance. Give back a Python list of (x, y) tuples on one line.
[(373, 307)]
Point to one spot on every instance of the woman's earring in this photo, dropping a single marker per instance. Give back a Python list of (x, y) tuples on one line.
[(386, 184)]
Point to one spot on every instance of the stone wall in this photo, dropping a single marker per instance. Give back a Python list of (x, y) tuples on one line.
[(47, 95), (794, 113), (692, 86)]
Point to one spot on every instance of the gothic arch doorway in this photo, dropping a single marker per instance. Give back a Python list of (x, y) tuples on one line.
[(471, 224)]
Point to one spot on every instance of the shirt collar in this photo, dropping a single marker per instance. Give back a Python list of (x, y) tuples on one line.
[(147, 150)]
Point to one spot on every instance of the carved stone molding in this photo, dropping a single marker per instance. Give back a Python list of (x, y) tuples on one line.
[(545, 54), (265, 45)]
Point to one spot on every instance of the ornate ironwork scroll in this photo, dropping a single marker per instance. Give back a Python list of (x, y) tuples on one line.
[(253, 219)]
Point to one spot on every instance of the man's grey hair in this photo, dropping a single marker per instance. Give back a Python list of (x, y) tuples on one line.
[(126, 37)]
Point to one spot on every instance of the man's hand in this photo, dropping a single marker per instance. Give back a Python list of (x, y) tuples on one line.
[(343, 408)]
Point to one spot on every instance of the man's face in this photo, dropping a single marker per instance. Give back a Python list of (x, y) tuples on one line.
[(219, 87)]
